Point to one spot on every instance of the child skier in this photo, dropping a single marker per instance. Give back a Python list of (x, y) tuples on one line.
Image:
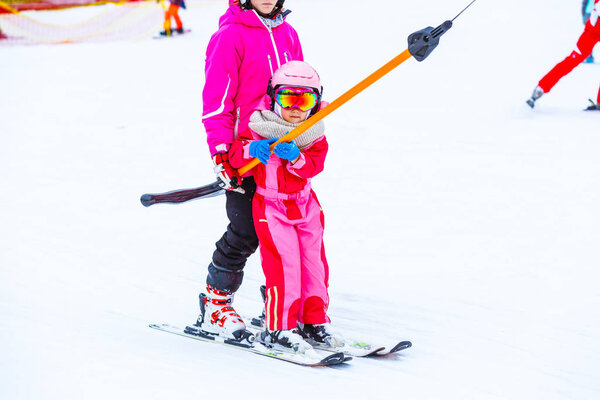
[(173, 12), (585, 45), (287, 215)]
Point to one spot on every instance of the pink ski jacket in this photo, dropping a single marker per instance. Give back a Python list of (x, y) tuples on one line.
[(240, 59)]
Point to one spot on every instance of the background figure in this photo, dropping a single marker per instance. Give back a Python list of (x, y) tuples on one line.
[(586, 10), (588, 39), (173, 12)]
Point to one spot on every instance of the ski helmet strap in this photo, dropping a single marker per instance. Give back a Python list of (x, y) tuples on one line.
[(247, 5)]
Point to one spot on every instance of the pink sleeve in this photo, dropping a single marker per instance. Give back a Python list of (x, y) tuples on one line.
[(311, 161), (219, 114)]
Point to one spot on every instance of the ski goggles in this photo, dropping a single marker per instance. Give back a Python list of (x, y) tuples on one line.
[(294, 97)]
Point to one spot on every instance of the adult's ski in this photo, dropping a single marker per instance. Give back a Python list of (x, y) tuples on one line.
[(312, 360)]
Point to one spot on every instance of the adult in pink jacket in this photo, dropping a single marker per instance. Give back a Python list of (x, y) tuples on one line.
[(252, 42)]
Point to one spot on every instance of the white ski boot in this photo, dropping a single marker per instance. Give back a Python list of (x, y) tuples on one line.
[(289, 339), (537, 93), (321, 334), (217, 316)]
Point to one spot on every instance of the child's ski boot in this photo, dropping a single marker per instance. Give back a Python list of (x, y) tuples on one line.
[(321, 334), (289, 339)]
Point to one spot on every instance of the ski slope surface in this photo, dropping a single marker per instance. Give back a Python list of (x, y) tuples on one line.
[(456, 217)]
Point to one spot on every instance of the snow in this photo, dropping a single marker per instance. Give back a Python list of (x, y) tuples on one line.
[(457, 217)]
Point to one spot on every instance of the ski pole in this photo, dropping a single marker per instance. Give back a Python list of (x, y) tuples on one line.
[(420, 45)]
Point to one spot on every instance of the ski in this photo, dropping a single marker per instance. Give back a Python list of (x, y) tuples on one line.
[(351, 347), (173, 34), (361, 349), (316, 359)]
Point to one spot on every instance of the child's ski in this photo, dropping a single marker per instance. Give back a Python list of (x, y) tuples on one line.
[(354, 348), (361, 349), (257, 348)]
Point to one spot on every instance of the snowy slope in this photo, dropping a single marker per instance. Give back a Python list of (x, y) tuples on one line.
[(456, 217)]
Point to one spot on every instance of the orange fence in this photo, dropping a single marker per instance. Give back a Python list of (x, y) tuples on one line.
[(102, 22), (9, 6)]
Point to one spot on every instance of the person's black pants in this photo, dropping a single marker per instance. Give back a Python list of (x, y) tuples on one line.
[(237, 243)]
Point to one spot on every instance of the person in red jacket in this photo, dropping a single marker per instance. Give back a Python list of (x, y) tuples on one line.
[(588, 39), (287, 215)]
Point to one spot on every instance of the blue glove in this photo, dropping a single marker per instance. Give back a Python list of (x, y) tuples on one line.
[(287, 151), (261, 149)]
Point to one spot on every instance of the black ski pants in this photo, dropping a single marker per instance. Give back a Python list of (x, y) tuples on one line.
[(237, 243)]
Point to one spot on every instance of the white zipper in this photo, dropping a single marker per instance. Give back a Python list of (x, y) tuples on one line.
[(272, 39), (270, 65), (237, 123), (286, 57), (274, 47)]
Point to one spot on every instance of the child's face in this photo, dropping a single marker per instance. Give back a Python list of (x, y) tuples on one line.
[(293, 115), (263, 6)]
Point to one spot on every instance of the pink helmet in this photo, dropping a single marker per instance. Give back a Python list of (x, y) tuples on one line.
[(296, 73)]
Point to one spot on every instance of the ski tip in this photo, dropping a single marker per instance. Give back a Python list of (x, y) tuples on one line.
[(401, 346), (147, 200), (335, 359)]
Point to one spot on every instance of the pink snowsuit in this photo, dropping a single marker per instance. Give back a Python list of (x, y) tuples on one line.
[(289, 223), (240, 58)]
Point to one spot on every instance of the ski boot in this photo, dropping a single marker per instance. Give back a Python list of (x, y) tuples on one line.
[(166, 32), (180, 30), (320, 334), (259, 321), (537, 93), (288, 339), (593, 107), (218, 317)]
